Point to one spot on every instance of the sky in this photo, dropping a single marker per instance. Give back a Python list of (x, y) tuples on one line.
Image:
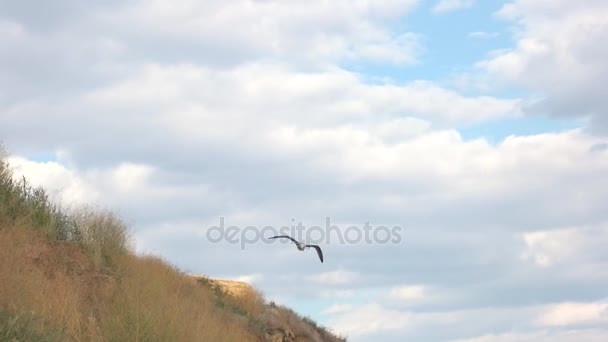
[(478, 128)]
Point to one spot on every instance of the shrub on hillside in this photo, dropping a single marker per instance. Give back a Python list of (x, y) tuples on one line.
[(103, 235), (19, 200)]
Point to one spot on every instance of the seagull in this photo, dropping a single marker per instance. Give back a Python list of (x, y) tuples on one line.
[(301, 246)]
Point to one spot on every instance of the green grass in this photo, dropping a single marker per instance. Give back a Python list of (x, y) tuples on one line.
[(27, 327), (23, 202)]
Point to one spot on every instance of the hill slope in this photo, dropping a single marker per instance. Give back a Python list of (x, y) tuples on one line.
[(72, 276)]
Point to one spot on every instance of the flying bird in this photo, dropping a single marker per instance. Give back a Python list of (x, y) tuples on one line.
[(301, 246)]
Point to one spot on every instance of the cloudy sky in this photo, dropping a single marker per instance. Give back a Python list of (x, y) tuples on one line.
[(478, 127)]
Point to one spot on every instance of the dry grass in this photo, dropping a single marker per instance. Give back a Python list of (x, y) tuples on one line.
[(28, 286), (155, 302), (146, 300)]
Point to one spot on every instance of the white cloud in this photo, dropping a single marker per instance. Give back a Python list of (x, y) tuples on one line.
[(547, 247), (129, 177), (531, 322), (452, 5), (63, 184), (337, 294), (10, 29), (558, 35), (389, 324), (557, 246), (589, 335), (408, 292), (125, 186), (335, 278), (312, 32), (74, 188), (567, 314), (265, 92), (337, 309), (376, 319)]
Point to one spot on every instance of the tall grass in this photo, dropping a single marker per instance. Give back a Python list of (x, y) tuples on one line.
[(40, 278), (154, 302)]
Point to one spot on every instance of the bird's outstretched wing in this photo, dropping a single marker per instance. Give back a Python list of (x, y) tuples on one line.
[(318, 251), (285, 236)]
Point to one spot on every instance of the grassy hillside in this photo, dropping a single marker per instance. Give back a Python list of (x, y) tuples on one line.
[(73, 276)]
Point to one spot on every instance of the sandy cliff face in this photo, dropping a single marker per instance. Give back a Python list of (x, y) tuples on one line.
[(233, 287)]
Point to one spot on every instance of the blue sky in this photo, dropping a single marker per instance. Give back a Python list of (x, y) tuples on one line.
[(477, 126), (447, 46)]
